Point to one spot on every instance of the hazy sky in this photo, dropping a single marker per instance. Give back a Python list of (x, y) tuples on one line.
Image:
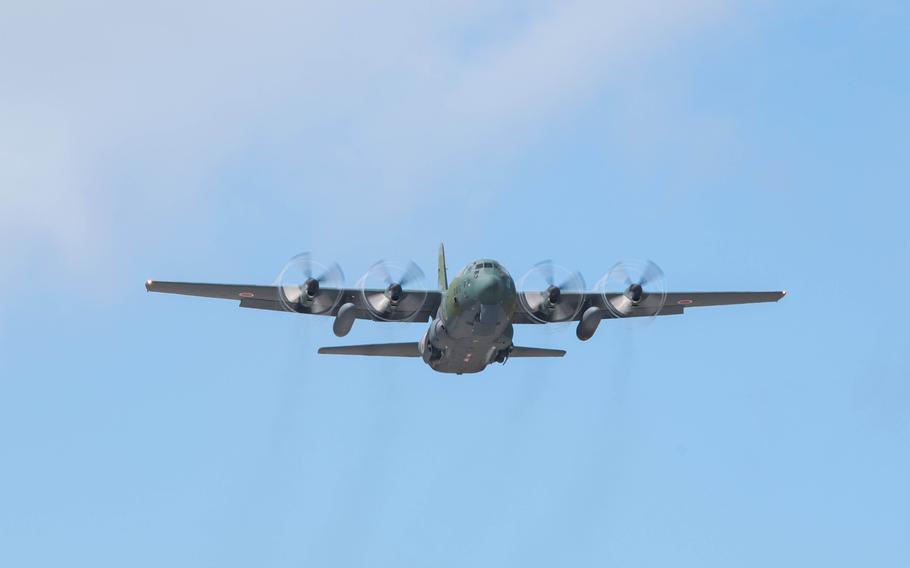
[(741, 146)]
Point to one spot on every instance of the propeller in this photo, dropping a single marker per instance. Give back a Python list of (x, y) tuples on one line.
[(310, 284), (550, 303), (634, 288), (394, 291)]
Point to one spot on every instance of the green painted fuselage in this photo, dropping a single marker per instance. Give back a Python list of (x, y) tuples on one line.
[(473, 327)]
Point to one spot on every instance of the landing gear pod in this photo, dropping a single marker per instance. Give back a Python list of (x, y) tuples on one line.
[(588, 323), (344, 320)]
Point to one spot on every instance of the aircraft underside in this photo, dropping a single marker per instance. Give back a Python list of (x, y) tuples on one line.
[(472, 317)]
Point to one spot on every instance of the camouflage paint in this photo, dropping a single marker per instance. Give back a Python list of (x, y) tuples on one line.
[(473, 326)]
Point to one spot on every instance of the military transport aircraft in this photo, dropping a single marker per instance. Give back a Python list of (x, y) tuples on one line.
[(471, 318)]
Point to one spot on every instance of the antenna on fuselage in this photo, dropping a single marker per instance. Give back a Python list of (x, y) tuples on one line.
[(443, 279)]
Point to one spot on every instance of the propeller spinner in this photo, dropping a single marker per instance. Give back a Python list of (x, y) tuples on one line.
[(310, 285), (634, 288), (394, 291), (550, 304)]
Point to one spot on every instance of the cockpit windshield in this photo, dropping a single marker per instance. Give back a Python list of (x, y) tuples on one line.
[(479, 265)]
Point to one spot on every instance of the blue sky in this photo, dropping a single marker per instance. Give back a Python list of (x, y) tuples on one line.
[(756, 145)]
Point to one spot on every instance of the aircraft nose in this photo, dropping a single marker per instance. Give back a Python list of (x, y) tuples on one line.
[(489, 289)]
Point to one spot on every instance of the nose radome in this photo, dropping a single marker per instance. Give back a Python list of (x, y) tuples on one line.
[(489, 289)]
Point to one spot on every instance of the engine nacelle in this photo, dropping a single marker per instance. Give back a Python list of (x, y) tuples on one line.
[(588, 323), (433, 337), (621, 305), (344, 319)]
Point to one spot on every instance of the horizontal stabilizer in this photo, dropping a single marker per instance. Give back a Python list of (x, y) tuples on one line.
[(375, 350), (535, 352)]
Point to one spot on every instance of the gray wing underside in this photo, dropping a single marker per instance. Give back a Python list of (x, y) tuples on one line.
[(535, 352), (675, 304), (409, 349), (422, 304)]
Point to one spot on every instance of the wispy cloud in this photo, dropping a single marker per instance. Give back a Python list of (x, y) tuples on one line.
[(107, 108)]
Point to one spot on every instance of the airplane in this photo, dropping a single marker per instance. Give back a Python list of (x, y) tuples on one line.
[(472, 317)]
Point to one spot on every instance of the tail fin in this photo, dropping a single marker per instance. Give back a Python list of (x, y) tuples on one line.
[(443, 278)]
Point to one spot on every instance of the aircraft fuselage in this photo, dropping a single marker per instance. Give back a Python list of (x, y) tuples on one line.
[(473, 325)]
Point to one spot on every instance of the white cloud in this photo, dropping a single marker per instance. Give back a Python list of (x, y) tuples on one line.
[(390, 93), (38, 168)]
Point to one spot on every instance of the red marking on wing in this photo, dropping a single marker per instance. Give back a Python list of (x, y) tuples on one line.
[(684, 302), (246, 294)]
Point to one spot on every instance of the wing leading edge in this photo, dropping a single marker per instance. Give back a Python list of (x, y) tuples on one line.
[(675, 303), (426, 302)]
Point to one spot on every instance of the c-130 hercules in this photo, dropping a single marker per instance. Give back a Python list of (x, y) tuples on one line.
[(471, 318)]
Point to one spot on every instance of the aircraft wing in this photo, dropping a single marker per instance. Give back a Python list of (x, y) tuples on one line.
[(418, 306), (675, 304)]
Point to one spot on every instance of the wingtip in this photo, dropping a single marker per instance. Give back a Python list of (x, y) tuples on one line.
[(148, 285)]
